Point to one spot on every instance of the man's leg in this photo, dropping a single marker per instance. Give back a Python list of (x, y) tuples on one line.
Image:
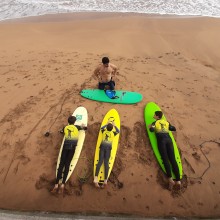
[(163, 153), (111, 85), (171, 155), (61, 165), (106, 161), (60, 170), (69, 158), (102, 86), (98, 166)]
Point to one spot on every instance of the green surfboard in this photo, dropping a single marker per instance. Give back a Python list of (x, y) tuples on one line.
[(149, 111), (124, 97)]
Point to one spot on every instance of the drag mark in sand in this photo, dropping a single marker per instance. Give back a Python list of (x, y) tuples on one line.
[(24, 141), (21, 144)]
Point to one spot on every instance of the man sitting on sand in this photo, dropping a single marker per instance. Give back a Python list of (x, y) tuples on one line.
[(165, 147), (71, 133), (105, 150), (105, 73)]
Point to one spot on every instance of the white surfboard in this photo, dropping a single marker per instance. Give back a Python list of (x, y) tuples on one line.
[(81, 118)]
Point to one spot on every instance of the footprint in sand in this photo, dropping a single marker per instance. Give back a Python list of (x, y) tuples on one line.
[(138, 196), (124, 136), (43, 182), (196, 156), (161, 202), (140, 131), (24, 159), (216, 206)]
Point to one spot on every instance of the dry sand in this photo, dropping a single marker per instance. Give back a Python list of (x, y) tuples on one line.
[(46, 61)]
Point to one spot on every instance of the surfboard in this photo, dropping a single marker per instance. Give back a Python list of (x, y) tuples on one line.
[(124, 97), (81, 118), (111, 115), (149, 111)]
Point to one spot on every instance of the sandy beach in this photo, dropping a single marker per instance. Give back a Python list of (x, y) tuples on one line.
[(46, 61)]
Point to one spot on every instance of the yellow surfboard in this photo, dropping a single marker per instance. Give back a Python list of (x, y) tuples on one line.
[(112, 115), (81, 118)]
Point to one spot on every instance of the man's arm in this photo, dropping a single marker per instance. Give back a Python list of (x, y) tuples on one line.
[(116, 128), (103, 127), (152, 127), (96, 72), (115, 70), (82, 127), (171, 127)]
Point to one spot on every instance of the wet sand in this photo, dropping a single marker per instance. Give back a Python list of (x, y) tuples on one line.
[(46, 61)]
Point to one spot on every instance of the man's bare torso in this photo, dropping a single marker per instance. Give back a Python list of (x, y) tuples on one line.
[(105, 73)]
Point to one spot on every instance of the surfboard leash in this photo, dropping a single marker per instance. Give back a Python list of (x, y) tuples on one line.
[(209, 164), (86, 172), (47, 133), (24, 142)]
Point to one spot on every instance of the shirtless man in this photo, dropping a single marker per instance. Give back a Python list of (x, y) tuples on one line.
[(105, 74)]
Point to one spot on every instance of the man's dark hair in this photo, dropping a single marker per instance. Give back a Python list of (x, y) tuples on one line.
[(109, 127), (159, 114), (105, 60), (71, 120)]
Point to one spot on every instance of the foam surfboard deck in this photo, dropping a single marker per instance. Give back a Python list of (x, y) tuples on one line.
[(112, 115), (125, 97), (81, 118), (149, 111)]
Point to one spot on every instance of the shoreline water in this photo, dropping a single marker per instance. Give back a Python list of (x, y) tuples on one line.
[(58, 17), (23, 8)]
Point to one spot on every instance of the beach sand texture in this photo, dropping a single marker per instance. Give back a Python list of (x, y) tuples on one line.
[(46, 61)]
